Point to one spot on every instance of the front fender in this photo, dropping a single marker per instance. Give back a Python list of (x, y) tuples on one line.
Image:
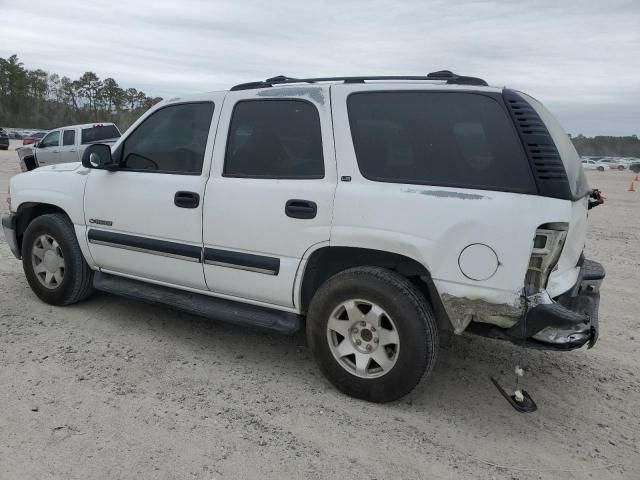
[(59, 185)]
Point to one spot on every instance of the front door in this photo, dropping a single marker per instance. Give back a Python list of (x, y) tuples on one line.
[(145, 219), (270, 194), (48, 149)]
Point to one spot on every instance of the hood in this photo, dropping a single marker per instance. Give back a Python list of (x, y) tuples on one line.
[(58, 167)]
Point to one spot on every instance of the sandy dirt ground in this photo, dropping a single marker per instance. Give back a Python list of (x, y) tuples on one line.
[(114, 388)]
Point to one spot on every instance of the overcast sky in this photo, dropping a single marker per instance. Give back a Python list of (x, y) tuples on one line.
[(580, 58)]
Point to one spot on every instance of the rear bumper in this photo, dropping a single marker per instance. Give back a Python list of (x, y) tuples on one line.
[(567, 322), (9, 228)]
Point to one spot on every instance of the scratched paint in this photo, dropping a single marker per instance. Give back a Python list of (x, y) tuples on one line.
[(316, 94), (448, 194)]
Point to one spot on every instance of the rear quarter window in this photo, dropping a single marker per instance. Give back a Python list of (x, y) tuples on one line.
[(452, 139)]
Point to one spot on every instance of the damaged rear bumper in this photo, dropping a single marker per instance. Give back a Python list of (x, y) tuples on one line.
[(567, 322)]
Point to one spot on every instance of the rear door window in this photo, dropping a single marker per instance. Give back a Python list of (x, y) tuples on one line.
[(456, 139), (274, 139), (68, 138)]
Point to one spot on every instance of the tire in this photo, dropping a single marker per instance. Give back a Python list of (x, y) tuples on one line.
[(601, 169), (620, 167), (54, 233), (405, 310)]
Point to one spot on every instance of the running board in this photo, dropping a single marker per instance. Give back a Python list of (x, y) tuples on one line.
[(218, 309)]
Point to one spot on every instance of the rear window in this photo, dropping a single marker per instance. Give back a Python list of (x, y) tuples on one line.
[(98, 133), (437, 138)]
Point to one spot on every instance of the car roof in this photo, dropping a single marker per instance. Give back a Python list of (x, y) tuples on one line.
[(86, 125), (372, 85)]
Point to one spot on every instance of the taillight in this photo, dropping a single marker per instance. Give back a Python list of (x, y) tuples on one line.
[(547, 247)]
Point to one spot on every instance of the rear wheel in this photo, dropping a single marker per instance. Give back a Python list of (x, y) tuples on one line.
[(372, 333), (53, 262), (601, 169)]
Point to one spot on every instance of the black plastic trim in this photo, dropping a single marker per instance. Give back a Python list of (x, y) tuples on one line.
[(442, 75), (147, 245), (10, 221), (243, 261), (214, 308), (542, 153)]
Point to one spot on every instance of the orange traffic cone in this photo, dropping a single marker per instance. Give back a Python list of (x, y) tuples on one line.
[(632, 188), (635, 179)]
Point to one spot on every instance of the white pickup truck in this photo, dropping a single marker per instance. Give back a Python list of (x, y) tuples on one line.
[(376, 211), (65, 144)]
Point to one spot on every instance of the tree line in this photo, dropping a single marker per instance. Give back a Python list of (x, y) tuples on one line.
[(41, 100), (603, 146)]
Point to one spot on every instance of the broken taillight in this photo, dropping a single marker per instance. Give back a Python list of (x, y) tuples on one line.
[(547, 247)]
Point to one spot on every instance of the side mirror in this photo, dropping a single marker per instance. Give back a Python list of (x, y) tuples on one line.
[(98, 155), (36, 144)]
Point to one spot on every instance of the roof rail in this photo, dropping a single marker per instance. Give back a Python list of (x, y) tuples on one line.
[(442, 75)]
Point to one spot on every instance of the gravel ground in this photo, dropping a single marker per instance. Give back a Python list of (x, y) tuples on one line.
[(113, 388)]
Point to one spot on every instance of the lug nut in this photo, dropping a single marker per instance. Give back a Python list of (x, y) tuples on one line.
[(358, 342), (369, 348), (376, 340), (355, 330), (373, 329), (363, 324)]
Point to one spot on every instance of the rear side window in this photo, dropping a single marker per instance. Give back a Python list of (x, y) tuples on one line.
[(274, 139), (99, 133), (68, 137), (437, 138)]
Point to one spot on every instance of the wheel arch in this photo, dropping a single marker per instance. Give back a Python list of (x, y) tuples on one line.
[(326, 261), (29, 211)]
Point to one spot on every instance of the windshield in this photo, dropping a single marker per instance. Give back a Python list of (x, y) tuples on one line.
[(570, 158)]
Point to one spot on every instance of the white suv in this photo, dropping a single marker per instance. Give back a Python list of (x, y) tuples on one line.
[(378, 211)]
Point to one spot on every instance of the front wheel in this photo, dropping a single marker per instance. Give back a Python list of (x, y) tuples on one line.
[(53, 262), (372, 333)]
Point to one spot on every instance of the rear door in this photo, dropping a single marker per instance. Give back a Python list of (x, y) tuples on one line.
[(48, 149), (69, 147), (269, 198)]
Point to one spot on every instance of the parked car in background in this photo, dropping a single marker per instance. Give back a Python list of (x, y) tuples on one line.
[(4, 140), (613, 163), (634, 166), (14, 135), (33, 138), (593, 165), (66, 144)]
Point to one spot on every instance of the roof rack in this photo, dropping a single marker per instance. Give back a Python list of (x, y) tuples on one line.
[(442, 75)]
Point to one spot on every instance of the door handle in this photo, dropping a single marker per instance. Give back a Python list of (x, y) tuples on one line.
[(304, 209), (184, 199)]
